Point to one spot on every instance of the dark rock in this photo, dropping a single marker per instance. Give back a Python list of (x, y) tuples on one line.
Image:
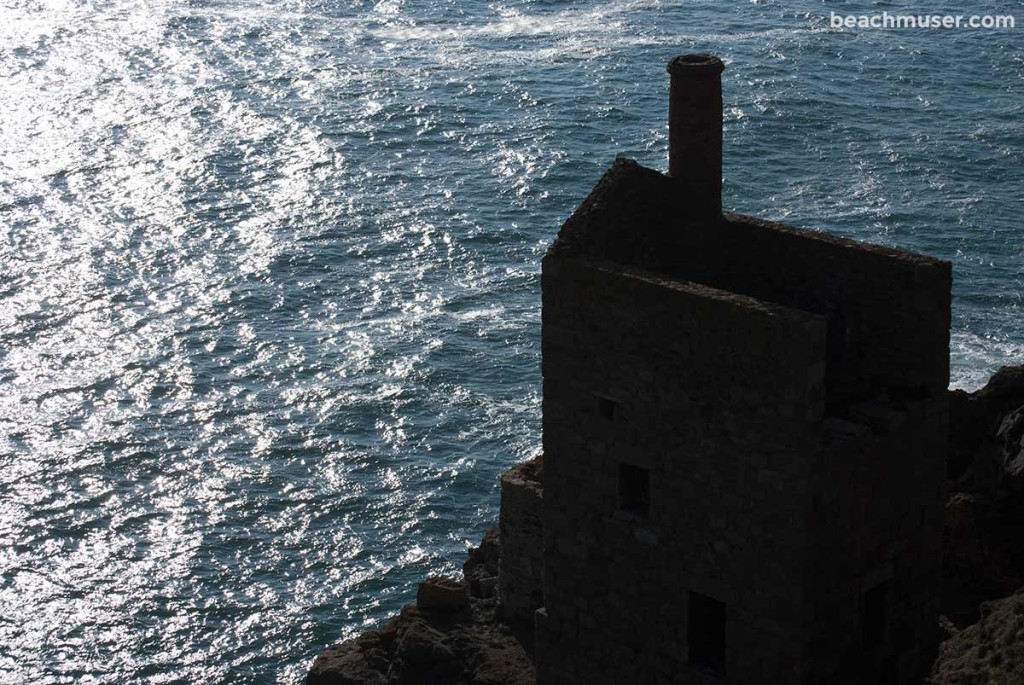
[(1006, 384), (975, 565), (503, 666), (469, 647), (442, 594), (966, 432), (947, 628), (1011, 435), (424, 646), (984, 518), (424, 652), (982, 555), (481, 568), (343, 665), (983, 447), (487, 587), (992, 651)]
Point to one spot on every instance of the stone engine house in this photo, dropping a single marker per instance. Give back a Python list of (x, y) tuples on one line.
[(744, 439)]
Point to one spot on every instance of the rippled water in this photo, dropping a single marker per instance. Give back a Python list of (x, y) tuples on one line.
[(269, 278)]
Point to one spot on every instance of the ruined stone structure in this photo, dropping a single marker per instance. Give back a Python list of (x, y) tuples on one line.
[(744, 438), (745, 435), (521, 564)]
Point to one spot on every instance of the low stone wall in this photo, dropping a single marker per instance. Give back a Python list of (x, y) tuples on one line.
[(520, 575)]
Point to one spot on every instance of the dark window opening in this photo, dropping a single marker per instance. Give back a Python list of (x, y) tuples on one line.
[(876, 601), (606, 408), (706, 633), (634, 490)]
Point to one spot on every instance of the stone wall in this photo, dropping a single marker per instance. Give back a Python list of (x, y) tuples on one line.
[(520, 575), (888, 310), (715, 396), (743, 423), (878, 512)]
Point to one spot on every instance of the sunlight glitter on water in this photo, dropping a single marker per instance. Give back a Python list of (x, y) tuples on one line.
[(269, 298)]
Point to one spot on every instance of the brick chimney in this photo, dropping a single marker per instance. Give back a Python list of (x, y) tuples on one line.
[(695, 132)]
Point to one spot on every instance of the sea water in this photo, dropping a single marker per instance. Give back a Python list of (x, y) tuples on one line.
[(269, 277)]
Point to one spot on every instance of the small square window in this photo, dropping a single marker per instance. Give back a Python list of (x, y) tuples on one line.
[(606, 408), (634, 490)]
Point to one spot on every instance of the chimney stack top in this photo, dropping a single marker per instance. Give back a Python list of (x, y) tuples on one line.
[(695, 65)]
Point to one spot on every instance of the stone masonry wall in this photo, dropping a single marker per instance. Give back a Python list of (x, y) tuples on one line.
[(888, 310), (716, 397), (520, 575), (878, 512), (779, 392)]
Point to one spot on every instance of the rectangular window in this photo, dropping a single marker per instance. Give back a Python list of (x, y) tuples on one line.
[(706, 633), (634, 490), (876, 615)]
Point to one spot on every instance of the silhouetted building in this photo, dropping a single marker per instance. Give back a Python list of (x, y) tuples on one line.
[(744, 438)]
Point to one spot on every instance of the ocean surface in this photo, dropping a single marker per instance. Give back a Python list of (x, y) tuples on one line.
[(269, 278)]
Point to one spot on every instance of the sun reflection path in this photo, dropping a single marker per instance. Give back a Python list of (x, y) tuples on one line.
[(269, 276)]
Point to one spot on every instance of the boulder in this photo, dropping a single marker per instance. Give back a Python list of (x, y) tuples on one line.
[(442, 594), (364, 660), (344, 664)]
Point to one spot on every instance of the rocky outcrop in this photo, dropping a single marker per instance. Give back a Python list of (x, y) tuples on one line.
[(990, 652), (442, 595), (1011, 437), (984, 517), (481, 567), (449, 637), (985, 431)]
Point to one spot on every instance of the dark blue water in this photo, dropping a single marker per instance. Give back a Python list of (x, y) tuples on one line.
[(269, 278)]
